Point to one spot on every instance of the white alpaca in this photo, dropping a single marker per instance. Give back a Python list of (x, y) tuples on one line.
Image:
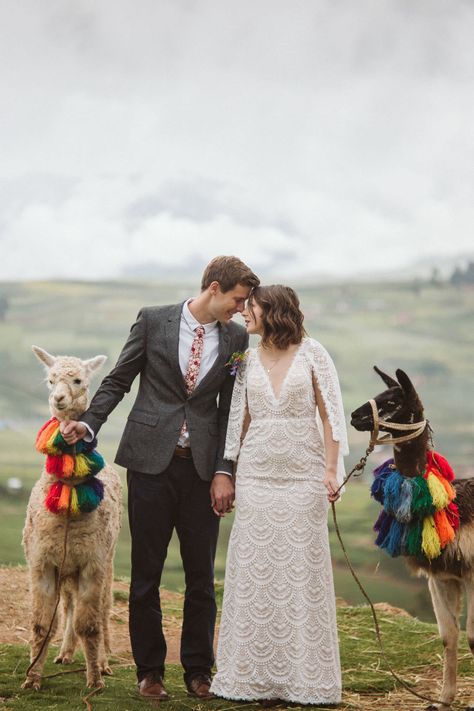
[(86, 590)]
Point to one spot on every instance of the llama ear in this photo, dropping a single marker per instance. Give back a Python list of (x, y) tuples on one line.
[(389, 382), (93, 364), (46, 358), (405, 382)]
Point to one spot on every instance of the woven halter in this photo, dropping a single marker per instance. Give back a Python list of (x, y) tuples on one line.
[(415, 428)]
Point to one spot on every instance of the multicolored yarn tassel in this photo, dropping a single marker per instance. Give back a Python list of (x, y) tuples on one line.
[(419, 516), (65, 461)]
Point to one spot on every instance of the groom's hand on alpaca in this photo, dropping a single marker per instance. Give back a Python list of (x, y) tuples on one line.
[(72, 431), (222, 494)]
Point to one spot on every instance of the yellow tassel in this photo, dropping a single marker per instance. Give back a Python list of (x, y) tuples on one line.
[(75, 510), (81, 467), (63, 502), (430, 543), (437, 491), (450, 490)]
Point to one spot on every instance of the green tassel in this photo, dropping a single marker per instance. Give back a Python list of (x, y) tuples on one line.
[(413, 538), (96, 461), (87, 498), (422, 501), (60, 443)]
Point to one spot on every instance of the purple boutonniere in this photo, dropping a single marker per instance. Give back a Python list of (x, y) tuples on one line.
[(235, 361)]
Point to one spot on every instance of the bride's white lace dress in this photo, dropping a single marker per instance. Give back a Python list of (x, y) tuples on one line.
[(278, 635)]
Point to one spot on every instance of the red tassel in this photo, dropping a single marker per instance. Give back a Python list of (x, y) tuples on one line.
[(52, 497), (54, 464), (452, 513), (435, 459)]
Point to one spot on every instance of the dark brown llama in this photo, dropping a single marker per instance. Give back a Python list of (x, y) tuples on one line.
[(453, 570)]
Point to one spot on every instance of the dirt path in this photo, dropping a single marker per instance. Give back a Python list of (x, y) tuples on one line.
[(15, 610), (14, 622)]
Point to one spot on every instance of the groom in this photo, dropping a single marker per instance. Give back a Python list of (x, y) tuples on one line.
[(173, 447)]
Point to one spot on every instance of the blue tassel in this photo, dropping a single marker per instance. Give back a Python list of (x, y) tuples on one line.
[(378, 485), (384, 528), (403, 545), (393, 542), (379, 522), (392, 488), (403, 512)]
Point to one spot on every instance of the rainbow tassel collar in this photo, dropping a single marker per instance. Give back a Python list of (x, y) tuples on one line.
[(419, 516), (79, 461)]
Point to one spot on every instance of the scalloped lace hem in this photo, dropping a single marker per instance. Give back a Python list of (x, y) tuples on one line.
[(278, 694)]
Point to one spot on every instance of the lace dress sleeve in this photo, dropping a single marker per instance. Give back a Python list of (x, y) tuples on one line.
[(237, 411), (328, 382)]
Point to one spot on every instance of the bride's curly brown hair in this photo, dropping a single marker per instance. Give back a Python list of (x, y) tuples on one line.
[(282, 317)]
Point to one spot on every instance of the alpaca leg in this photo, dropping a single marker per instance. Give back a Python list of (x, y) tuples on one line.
[(470, 625), (88, 620), (446, 599), (69, 643), (106, 608), (43, 597)]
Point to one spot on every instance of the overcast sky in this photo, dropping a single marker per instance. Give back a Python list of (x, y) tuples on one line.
[(325, 136)]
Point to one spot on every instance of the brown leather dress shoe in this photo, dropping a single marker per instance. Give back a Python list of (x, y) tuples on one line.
[(151, 687), (199, 687)]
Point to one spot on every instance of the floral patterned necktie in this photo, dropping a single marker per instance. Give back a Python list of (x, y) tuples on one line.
[(194, 364)]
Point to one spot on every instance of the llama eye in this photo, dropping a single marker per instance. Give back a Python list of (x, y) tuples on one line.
[(77, 381), (50, 382)]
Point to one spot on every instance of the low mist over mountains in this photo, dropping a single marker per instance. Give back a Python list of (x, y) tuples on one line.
[(281, 266)]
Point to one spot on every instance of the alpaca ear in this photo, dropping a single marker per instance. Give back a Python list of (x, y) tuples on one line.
[(405, 382), (93, 364), (389, 382), (46, 358)]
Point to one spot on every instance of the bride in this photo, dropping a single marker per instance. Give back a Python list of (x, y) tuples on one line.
[(278, 636)]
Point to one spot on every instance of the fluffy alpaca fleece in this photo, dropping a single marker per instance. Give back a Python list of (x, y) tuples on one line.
[(86, 589)]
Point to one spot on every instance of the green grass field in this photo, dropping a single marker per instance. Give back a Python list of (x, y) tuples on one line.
[(412, 647), (428, 332)]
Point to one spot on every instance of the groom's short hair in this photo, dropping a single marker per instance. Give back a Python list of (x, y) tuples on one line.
[(228, 271)]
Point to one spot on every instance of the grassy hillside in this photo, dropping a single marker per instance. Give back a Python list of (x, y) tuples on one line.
[(413, 649), (428, 332)]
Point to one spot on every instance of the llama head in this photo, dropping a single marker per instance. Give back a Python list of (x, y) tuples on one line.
[(68, 380), (398, 403)]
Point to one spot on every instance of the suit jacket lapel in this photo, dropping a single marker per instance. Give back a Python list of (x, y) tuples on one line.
[(224, 340), (172, 342)]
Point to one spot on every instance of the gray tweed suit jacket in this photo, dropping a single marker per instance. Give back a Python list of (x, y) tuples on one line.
[(162, 403)]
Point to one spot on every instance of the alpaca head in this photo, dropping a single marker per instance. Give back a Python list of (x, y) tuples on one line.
[(398, 403), (68, 380)]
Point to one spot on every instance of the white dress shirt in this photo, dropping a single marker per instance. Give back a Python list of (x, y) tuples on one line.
[(186, 337)]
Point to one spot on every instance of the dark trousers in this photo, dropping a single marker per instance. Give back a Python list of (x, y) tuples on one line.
[(176, 498)]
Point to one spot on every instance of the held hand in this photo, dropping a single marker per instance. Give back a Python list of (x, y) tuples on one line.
[(72, 431), (332, 485), (222, 494)]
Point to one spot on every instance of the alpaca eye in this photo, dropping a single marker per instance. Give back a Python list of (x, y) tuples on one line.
[(51, 382), (77, 381)]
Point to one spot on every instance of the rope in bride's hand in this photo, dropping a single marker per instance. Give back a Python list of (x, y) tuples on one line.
[(359, 468)]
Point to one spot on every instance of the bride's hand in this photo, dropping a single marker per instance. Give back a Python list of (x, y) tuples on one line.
[(332, 485)]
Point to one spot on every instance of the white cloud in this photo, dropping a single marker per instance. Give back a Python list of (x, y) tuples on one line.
[(339, 134)]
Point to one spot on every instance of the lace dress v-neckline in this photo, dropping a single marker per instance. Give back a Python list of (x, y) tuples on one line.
[(276, 397)]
